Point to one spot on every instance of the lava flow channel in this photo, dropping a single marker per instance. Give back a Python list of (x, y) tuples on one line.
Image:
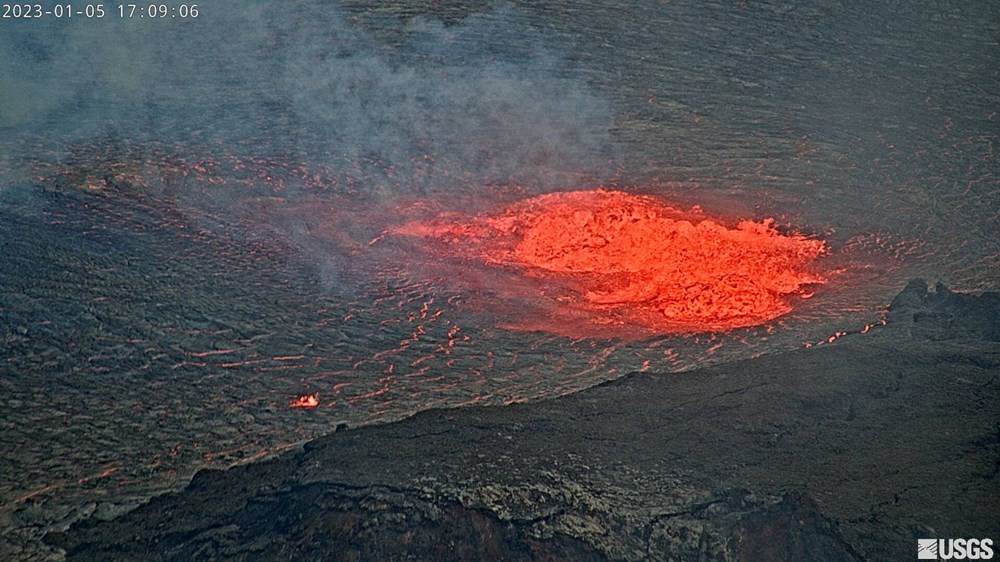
[(607, 258)]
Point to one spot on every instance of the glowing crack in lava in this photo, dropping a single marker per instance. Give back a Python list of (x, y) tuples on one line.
[(611, 258)]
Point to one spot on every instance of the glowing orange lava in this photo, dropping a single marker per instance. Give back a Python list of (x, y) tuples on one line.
[(306, 401), (622, 258)]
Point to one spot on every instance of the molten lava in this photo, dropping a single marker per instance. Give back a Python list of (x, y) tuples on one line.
[(305, 401), (623, 258)]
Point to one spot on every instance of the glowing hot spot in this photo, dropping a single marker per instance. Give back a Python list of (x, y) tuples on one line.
[(620, 258), (305, 401)]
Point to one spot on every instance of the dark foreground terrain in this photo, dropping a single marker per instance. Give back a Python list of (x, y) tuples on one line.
[(849, 451)]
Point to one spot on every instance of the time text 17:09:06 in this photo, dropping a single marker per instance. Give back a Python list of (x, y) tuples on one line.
[(97, 11)]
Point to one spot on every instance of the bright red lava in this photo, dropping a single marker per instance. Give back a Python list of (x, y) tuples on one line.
[(606, 258)]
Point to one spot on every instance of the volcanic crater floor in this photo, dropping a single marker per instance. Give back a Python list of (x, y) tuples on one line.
[(843, 452)]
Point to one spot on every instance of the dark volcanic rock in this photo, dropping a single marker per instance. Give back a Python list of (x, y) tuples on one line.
[(792, 530), (847, 452), (944, 315), (330, 522)]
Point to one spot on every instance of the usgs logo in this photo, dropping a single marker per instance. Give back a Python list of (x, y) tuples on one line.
[(954, 549)]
